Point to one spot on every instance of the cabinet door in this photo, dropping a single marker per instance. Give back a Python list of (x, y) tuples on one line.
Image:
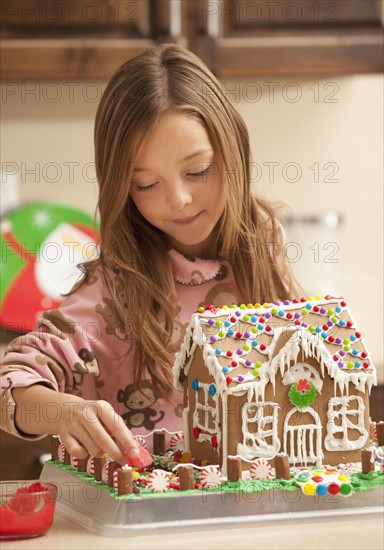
[(52, 39), (284, 37)]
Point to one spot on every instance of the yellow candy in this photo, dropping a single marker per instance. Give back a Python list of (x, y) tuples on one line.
[(310, 299), (265, 304), (186, 457), (257, 305), (249, 306), (343, 477), (309, 488), (330, 472), (224, 307), (135, 475), (318, 297)]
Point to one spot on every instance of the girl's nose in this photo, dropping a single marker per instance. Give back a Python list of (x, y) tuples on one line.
[(179, 196)]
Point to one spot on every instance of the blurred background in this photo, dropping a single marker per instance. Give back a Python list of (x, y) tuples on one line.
[(306, 76)]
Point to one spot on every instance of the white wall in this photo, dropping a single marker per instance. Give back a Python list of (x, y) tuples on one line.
[(47, 140)]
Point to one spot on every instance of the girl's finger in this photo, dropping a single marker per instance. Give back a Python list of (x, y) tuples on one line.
[(79, 433), (116, 427)]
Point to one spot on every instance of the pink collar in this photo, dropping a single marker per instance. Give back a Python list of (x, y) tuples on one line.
[(195, 271)]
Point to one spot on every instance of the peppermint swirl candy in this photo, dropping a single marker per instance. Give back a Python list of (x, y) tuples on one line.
[(74, 462), (61, 453), (211, 476), (91, 466), (140, 440), (177, 441), (261, 469), (158, 481)]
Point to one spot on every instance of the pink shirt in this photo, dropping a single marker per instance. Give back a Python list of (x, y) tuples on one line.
[(79, 349)]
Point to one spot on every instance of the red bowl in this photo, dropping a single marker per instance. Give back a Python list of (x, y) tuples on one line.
[(26, 508)]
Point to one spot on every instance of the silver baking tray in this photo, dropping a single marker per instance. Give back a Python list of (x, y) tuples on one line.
[(94, 508)]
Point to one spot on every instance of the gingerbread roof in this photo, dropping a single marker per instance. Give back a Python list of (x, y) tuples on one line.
[(244, 346)]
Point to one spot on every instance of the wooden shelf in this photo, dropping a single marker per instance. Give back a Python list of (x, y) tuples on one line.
[(79, 39)]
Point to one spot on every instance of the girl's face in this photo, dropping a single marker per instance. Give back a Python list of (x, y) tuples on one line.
[(177, 185)]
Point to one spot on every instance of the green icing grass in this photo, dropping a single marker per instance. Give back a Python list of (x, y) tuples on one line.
[(359, 482), (366, 482)]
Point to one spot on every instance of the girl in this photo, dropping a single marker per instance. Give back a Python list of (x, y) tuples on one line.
[(179, 228)]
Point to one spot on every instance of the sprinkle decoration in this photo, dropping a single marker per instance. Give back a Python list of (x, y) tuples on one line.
[(211, 476), (261, 469), (158, 481), (245, 324)]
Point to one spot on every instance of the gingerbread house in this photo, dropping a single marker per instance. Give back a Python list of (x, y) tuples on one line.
[(291, 377)]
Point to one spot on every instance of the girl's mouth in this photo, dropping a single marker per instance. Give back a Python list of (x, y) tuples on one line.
[(186, 221)]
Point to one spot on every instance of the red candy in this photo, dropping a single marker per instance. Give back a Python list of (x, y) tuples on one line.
[(210, 308), (196, 432), (333, 488), (29, 512), (143, 460)]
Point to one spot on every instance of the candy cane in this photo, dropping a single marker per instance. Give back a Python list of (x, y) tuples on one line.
[(158, 481), (177, 441), (211, 477), (261, 469)]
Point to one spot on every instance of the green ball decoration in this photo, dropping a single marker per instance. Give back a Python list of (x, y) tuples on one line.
[(302, 398)]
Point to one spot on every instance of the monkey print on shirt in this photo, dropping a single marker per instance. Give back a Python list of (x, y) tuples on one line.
[(139, 401)]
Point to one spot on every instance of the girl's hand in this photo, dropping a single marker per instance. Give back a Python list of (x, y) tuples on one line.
[(94, 427), (83, 426)]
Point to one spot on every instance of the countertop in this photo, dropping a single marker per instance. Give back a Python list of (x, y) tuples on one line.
[(347, 532)]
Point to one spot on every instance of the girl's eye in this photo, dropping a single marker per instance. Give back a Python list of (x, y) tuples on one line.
[(202, 173), (145, 187)]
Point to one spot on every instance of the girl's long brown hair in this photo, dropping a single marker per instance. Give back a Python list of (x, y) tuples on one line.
[(171, 80)]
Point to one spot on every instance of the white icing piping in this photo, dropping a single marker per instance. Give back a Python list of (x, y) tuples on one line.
[(296, 438), (338, 423), (159, 430)]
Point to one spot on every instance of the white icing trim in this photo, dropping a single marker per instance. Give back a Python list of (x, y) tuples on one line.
[(254, 443), (338, 423), (303, 370), (296, 437), (205, 417)]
